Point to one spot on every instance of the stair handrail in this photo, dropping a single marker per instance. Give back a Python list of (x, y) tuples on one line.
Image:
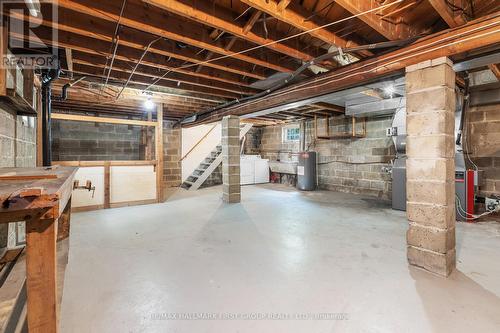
[(199, 141)]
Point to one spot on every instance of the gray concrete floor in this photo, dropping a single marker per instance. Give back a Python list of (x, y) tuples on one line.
[(279, 252)]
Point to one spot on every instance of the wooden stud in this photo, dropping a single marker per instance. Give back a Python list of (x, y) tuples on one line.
[(4, 40), (62, 116)]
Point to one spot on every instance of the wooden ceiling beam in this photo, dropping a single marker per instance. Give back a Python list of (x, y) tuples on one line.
[(495, 68), (329, 107), (477, 34), (123, 76), (296, 16), (140, 16), (88, 43), (125, 66), (389, 30), (83, 46), (251, 21), (446, 13), (209, 13), (84, 25)]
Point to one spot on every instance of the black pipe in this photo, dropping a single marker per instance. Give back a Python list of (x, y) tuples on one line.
[(64, 93), (48, 75)]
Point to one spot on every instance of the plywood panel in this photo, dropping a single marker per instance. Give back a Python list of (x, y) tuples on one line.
[(132, 183), (82, 198)]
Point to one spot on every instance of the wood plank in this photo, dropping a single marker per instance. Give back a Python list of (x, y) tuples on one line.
[(446, 13), (77, 23), (136, 15), (4, 40), (62, 116), (90, 69), (496, 70), (250, 23), (69, 58), (27, 177), (296, 16), (41, 284), (221, 18), (388, 30), (479, 33), (102, 163)]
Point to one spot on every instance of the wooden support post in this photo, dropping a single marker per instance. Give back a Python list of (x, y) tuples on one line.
[(107, 176), (41, 275), (159, 152), (63, 223), (353, 126), (4, 41)]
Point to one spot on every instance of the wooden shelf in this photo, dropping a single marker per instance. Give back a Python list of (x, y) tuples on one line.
[(15, 103)]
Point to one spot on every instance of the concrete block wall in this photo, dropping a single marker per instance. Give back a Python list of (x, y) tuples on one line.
[(17, 149), (85, 141), (483, 142), (347, 165)]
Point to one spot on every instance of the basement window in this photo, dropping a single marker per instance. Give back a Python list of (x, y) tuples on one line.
[(291, 133)]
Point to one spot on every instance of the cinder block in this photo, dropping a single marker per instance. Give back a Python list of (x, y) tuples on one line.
[(439, 263), (431, 146), (423, 191), (431, 238), (431, 123), (440, 75), (231, 198), (431, 214), (430, 169), (436, 98)]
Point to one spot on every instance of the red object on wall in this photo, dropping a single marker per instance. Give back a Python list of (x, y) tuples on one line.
[(470, 195)]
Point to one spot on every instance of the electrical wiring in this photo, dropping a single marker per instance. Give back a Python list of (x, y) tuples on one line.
[(461, 211), (348, 73), (289, 37)]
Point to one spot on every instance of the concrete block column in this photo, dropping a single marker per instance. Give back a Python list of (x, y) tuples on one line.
[(231, 159), (430, 168)]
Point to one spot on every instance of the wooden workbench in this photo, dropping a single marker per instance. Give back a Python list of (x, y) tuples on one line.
[(40, 197)]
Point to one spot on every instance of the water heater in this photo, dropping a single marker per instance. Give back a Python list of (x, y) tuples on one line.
[(306, 171)]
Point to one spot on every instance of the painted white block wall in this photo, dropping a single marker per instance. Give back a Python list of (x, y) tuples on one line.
[(190, 136)]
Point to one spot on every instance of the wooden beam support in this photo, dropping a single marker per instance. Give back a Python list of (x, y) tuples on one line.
[(4, 41), (69, 58), (75, 23), (475, 34), (140, 16), (221, 18), (95, 47), (296, 16), (145, 80), (495, 68), (62, 116), (389, 30), (250, 23), (147, 70), (447, 13)]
